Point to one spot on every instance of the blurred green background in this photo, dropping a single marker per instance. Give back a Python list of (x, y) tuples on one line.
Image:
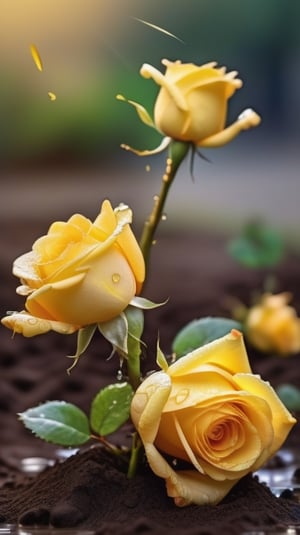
[(91, 51)]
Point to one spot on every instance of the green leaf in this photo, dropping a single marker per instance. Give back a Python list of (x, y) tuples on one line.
[(290, 396), (58, 422), (258, 247), (111, 408), (200, 332), (84, 337)]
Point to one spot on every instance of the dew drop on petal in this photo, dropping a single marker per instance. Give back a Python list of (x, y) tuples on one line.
[(36, 57), (246, 113), (182, 395), (116, 278)]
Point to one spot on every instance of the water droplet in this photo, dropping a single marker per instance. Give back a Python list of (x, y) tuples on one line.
[(246, 113), (116, 278), (122, 207), (174, 462), (182, 395), (155, 198), (119, 375), (10, 529), (163, 217), (34, 465), (148, 168), (154, 242)]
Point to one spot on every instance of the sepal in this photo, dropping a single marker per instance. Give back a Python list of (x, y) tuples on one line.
[(84, 337)]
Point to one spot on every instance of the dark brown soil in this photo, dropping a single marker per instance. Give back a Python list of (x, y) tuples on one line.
[(89, 490)]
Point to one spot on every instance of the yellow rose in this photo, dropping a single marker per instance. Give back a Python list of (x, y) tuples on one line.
[(273, 325), (209, 410), (80, 273), (192, 105)]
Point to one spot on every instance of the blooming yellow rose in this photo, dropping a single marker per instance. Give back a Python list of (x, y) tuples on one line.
[(273, 325), (80, 273), (192, 104), (209, 410)]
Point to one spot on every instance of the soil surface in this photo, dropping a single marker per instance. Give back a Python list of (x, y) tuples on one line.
[(87, 490)]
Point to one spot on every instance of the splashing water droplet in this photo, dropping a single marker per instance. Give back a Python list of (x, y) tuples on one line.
[(119, 375), (51, 95), (116, 278), (36, 57), (163, 217), (154, 242), (148, 168)]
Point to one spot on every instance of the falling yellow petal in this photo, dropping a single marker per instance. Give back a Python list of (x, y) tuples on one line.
[(51, 95), (159, 29), (36, 57)]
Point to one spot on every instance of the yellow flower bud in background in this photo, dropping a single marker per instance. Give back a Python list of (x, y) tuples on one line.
[(192, 103), (209, 410), (273, 326), (80, 273)]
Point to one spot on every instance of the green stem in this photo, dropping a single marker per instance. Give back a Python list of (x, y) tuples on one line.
[(177, 152), (134, 457), (135, 321), (134, 370)]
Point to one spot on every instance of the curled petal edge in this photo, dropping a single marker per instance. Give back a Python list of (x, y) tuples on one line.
[(28, 325), (148, 71), (247, 119), (141, 111), (187, 486)]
